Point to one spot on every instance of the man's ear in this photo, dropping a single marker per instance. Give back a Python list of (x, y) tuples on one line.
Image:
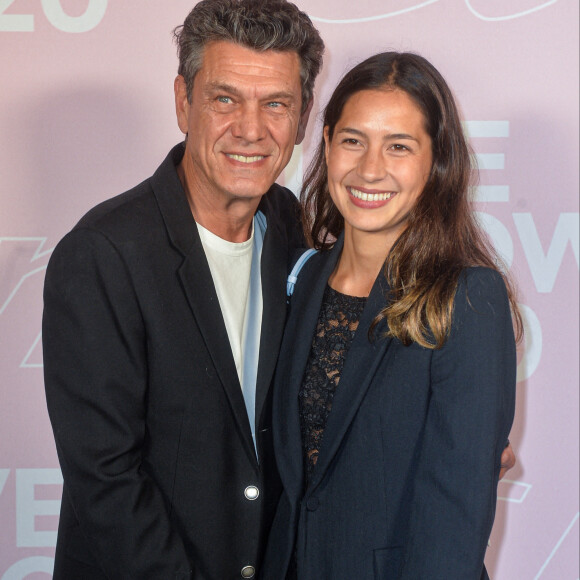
[(181, 103), (303, 122)]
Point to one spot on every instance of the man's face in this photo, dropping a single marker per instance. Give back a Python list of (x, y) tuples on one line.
[(242, 123)]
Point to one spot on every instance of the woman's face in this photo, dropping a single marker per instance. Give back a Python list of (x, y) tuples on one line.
[(378, 161)]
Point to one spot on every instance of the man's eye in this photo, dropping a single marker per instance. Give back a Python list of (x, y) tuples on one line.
[(275, 104), (222, 99)]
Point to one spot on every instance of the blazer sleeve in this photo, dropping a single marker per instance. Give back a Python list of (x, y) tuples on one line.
[(96, 379), (468, 421)]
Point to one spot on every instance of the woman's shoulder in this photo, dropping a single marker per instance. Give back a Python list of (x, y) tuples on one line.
[(310, 259), (310, 269), (481, 289), (481, 278)]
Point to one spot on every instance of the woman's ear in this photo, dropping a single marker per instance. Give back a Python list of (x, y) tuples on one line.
[(326, 134)]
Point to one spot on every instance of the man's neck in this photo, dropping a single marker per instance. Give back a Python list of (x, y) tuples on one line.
[(231, 220), (231, 228)]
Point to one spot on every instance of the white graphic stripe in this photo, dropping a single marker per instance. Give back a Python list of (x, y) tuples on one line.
[(486, 193), (4, 473), (510, 16), (25, 364), (427, 3), (527, 487), (17, 287), (37, 254), (557, 546), (371, 18), (474, 129), (490, 160)]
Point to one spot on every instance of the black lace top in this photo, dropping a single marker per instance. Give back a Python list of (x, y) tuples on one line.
[(337, 323)]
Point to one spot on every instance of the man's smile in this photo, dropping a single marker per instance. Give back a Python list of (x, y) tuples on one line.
[(245, 158)]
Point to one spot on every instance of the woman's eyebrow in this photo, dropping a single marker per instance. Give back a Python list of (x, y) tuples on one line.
[(386, 137)]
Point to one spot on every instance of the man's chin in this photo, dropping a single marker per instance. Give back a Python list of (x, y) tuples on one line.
[(249, 189)]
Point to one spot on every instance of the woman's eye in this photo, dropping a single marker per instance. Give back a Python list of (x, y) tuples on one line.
[(399, 147)]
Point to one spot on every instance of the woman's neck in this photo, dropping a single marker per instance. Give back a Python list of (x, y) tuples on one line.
[(360, 262)]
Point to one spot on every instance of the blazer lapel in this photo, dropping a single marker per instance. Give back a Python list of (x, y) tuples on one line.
[(200, 292), (363, 358), (306, 301), (198, 286), (273, 269)]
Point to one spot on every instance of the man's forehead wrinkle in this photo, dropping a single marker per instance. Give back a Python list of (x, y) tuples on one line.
[(262, 67), (259, 67), (250, 73), (218, 86)]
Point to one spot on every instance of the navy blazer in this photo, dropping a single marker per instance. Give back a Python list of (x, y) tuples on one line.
[(148, 414), (406, 480)]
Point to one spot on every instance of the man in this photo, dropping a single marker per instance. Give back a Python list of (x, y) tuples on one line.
[(164, 309)]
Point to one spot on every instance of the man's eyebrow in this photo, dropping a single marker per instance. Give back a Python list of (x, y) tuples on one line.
[(218, 87), (280, 95), (386, 137), (222, 87)]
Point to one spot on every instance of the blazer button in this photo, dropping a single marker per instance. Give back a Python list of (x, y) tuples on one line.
[(248, 572), (312, 504), (251, 492)]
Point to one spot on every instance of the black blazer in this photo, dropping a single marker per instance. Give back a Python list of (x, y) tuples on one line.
[(405, 483), (148, 415)]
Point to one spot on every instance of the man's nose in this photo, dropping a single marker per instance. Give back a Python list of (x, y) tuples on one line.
[(249, 124)]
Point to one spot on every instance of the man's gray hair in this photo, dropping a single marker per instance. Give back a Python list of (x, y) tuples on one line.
[(257, 24)]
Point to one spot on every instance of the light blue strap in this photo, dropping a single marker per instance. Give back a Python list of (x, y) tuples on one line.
[(293, 276), (252, 326)]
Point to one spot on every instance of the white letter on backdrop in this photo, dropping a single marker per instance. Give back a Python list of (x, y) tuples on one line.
[(4, 473), (27, 507), (499, 236), (23, 568), (14, 22), (532, 342), (87, 21), (544, 267)]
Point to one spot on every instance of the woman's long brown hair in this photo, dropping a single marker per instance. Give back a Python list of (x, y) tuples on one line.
[(442, 237)]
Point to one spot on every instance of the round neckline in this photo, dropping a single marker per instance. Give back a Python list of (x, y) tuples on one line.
[(338, 293)]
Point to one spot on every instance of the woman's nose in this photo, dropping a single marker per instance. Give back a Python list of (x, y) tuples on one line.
[(372, 166)]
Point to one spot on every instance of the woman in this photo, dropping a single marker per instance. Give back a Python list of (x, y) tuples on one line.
[(395, 388)]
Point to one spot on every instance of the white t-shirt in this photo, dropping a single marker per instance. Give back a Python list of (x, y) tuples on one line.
[(230, 264)]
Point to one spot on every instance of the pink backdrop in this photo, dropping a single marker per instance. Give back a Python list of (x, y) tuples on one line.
[(86, 111)]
